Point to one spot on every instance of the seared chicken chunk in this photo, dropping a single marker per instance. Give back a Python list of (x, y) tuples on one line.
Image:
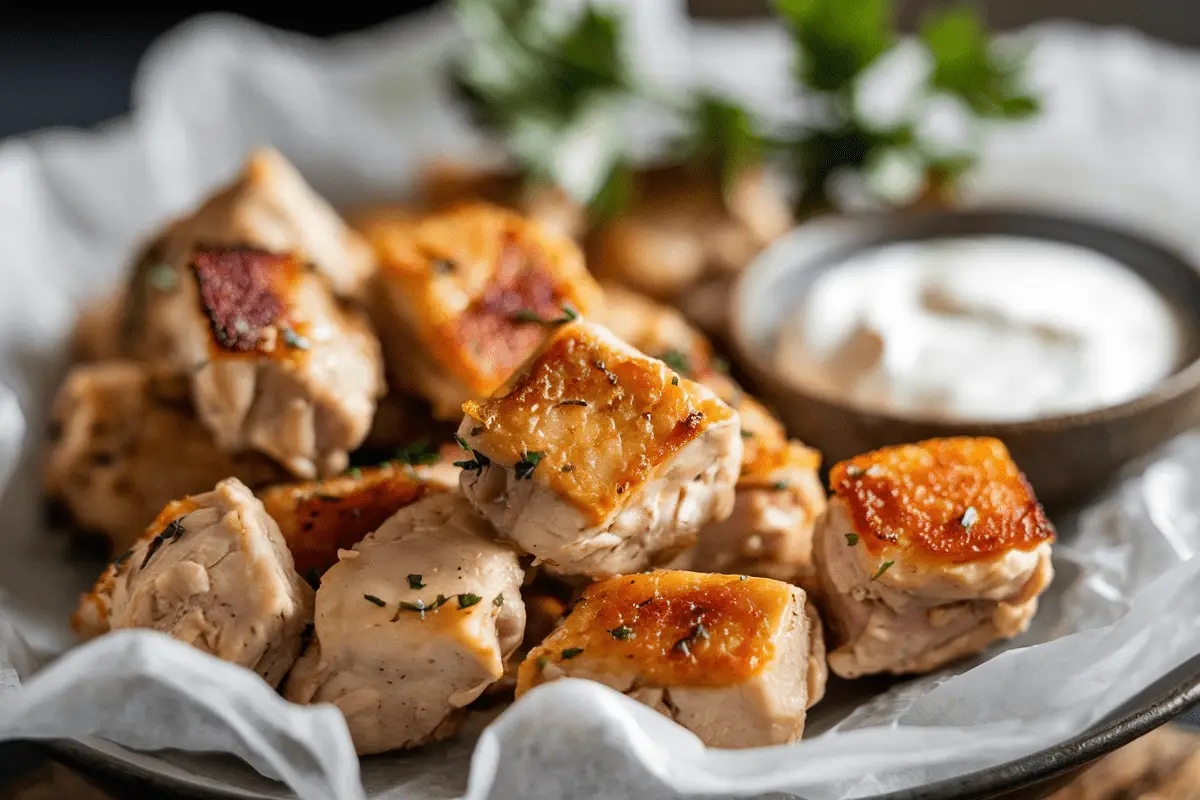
[(467, 295), (779, 493), (683, 232), (319, 518), (735, 660), (448, 183), (599, 460), (277, 365), (119, 451), (270, 207), (412, 625), (929, 552), (211, 571)]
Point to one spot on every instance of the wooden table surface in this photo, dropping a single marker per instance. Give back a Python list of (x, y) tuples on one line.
[(1163, 765)]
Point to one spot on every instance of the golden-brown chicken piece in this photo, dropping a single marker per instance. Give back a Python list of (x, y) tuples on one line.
[(119, 451), (276, 364), (412, 625), (319, 518), (929, 552), (445, 183), (779, 491), (467, 295), (600, 460), (736, 660), (213, 572), (269, 206), (683, 233)]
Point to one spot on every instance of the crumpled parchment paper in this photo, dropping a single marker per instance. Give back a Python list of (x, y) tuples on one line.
[(357, 115)]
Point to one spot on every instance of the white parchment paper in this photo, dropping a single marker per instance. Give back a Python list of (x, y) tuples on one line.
[(1118, 140)]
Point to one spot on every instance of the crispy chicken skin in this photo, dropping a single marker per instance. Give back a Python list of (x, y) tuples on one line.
[(779, 491), (214, 572), (735, 660), (598, 460), (318, 518), (929, 552), (276, 364), (270, 207), (465, 296), (412, 625), (119, 451), (683, 229)]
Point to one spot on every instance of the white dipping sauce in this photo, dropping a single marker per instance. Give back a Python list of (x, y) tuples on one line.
[(987, 328)]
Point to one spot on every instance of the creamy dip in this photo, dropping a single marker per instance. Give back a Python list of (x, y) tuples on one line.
[(987, 328)]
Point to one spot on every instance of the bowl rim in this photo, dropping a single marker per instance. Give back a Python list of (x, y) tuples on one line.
[(772, 261)]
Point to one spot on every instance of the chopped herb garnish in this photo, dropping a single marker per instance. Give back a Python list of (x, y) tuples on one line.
[(527, 315), (542, 662), (969, 517), (524, 467), (851, 539), (466, 600), (622, 632), (476, 464), (567, 468), (853, 471), (414, 582), (676, 361), (169, 534), (498, 600), (355, 473), (370, 598), (462, 443), (684, 645), (882, 569), (419, 452), (163, 278), (293, 339), (442, 265), (478, 429), (779, 486), (674, 380), (571, 652), (747, 434), (574, 403), (420, 606)]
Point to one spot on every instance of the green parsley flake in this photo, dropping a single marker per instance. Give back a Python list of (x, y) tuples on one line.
[(466, 600), (882, 569), (571, 652), (622, 632), (414, 582), (370, 598), (851, 539), (524, 467)]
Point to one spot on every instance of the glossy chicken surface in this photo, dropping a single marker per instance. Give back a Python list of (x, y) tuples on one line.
[(212, 571), (121, 447), (318, 518), (734, 658), (467, 295), (599, 459), (929, 552)]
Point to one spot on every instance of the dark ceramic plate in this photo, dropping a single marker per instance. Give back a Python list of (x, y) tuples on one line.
[(1066, 457), (1033, 776)]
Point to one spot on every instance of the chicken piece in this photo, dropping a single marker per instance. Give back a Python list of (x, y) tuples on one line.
[(412, 625), (928, 552), (779, 491), (319, 518), (97, 332), (214, 572), (682, 228), (735, 660), (276, 364), (448, 183), (119, 452), (466, 296), (599, 460), (270, 207)]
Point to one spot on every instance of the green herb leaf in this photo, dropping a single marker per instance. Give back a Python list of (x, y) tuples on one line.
[(851, 539), (467, 599), (462, 443), (836, 39), (542, 661), (674, 380), (414, 582), (571, 652), (476, 464), (677, 361), (582, 403), (622, 632), (882, 569), (419, 452), (370, 598), (524, 467), (498, 601)]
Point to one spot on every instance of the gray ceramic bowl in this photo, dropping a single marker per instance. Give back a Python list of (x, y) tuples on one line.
[(1065, 457)]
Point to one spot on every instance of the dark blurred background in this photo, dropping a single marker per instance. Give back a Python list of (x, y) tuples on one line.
[(76, 67)]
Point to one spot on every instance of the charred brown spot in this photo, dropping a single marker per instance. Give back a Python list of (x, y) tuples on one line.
[(242, 291)]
